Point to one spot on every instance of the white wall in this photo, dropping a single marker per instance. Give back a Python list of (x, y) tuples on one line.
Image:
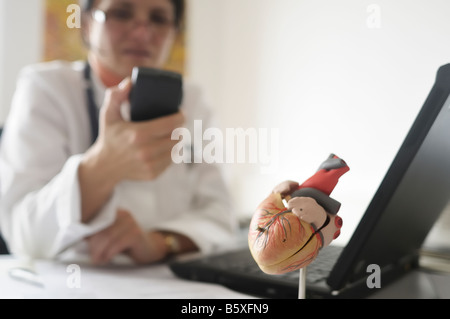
[(21, 43), (328, 74)]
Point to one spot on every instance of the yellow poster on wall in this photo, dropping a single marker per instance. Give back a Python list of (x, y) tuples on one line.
[(64, 42)]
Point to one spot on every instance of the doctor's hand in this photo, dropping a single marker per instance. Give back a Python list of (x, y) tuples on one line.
[(123, 151), (137, 150), (125, 236)]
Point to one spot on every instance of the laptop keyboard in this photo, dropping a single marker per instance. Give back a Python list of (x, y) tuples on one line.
[(242, 262), (238, 270)]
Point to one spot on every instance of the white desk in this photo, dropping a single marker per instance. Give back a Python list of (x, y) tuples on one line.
[(158, 282), (62, 281)]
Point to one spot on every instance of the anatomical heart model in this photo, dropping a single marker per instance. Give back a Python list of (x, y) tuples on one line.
[(283, 239)]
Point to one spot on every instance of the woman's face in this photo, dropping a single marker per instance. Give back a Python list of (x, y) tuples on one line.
[(127, 33)]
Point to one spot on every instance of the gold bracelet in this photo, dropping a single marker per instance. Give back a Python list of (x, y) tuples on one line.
[(172, 243)]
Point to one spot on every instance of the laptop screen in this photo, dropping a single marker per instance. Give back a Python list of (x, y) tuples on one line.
[(414, 192)]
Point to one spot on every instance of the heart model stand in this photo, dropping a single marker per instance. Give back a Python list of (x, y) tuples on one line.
[(302, 284), (284, 238)]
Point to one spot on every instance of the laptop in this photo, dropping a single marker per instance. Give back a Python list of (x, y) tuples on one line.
[(410, 198)]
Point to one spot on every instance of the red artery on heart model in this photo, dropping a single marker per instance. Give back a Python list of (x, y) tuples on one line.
[(283, 239)]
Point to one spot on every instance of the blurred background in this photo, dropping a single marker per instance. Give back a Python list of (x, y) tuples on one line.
[(332, 76)]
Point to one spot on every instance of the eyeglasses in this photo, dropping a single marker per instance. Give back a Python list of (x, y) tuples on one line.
[(125, 19)]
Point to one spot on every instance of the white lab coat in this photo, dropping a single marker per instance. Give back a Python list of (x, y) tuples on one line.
[(45, 136)]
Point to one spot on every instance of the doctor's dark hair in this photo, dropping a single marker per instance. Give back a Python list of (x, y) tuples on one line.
[(179, 6)]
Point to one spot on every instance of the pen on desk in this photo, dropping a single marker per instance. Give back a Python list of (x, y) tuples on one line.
[(25, 275)]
